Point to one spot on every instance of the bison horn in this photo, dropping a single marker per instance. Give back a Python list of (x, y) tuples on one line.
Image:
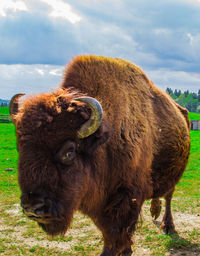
[(14, 104), (92, 125)]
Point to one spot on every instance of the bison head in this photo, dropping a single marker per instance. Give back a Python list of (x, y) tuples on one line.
[(57, 135)]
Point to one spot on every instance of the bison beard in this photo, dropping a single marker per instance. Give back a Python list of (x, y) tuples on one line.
[(54, 228), (102, 143)]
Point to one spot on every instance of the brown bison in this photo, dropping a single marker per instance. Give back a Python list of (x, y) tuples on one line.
[(102, 143)]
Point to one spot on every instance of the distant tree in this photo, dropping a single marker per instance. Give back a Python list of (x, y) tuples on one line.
[(194, 95), (194, 105), (198, 109), (181, 100), (188, 101), (176, 92), (4, 104), (173, 96), (199, 95), (179, 93), (169, 90), (186, 93)]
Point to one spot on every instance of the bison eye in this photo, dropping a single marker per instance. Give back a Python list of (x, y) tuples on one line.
[(68, 156), (67, 153)]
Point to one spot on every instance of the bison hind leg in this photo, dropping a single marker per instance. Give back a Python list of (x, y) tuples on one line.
[(167, 223), (155, 209)]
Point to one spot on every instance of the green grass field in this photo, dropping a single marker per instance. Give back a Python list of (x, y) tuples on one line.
[(194, 116), (4, 110), (20, 236)]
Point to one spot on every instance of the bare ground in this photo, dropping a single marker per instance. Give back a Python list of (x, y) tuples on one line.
[(84, 228)]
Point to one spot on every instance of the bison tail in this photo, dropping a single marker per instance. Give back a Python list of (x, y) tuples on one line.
[(155, 208)]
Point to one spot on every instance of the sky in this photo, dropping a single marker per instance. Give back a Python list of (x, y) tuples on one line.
[(39, 37)]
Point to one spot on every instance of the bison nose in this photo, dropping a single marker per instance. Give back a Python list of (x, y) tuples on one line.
[(34, 206)]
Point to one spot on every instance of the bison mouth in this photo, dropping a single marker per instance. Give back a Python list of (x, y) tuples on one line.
[(52, 215), (40, 219), (52, 226)]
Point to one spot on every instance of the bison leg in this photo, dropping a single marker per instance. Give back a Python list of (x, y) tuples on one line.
[(117, 223), (126, 252), (155, 208), (109, 252), (116, 243), (167, 222), (113, 252)]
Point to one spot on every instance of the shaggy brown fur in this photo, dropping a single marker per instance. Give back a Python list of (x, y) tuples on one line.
[(139, 152)]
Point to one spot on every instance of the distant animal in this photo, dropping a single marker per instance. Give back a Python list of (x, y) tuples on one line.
[(102, 143)]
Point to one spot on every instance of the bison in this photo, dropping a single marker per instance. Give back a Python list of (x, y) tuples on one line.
[(102, 143)]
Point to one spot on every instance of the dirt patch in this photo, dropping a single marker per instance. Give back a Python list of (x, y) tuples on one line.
[(184, 252), (15, 210), (83, 228), (18, 238), (183, 221)]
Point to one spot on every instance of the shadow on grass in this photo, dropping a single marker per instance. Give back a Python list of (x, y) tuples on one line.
[(179, 246)]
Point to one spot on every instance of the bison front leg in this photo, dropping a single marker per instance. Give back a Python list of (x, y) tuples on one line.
[(113, 252), (117, 224)]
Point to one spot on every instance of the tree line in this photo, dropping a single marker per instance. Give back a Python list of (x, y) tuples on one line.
[(187, 99), (4, 104)]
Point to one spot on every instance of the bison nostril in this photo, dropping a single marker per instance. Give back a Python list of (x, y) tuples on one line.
[(40, 211), (37, 210), (25, 206), (36, 204)]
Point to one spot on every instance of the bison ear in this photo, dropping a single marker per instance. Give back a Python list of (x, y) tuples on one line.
[(91, 143)]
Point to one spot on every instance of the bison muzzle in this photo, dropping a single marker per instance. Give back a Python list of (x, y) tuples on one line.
[(103, 142)]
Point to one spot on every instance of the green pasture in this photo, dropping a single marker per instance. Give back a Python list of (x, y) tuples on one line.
[(4, 110), (194, 116), (17, 232)]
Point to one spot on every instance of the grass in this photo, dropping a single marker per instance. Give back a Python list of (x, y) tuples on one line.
[(8, 159), (21, 236), (4, 110), (187, 188), (194, 116)]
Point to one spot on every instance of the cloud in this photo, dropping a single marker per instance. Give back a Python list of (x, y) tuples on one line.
[(167, 31), (10, 6), (63, 10), (164, 78), (30, 40), (32, 79), (162, 36), (29, 79)]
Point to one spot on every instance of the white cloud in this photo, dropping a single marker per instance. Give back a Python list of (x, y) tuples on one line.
[(29, 79), (164, 78), (63, 10), (55, 72), (40, 71), (10, 5), (160, 36), (194, 2)]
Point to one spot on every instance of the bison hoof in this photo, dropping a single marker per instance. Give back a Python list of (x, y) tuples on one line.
[(168, 228), (155, 208), (126, 252), (109, 252), (112, 252)]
